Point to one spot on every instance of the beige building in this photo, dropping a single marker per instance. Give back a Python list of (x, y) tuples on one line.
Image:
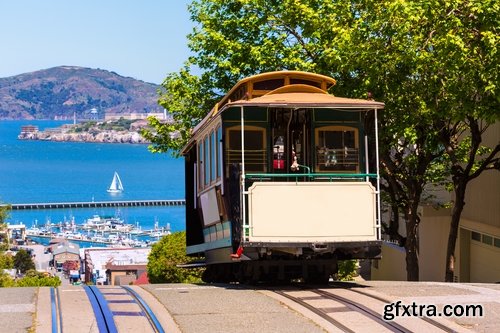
[(113, 265), (118, 275), (64, 252), (137, 116), (478, 244)]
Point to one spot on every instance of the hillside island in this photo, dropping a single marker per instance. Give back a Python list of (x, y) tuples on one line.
[(111, 131), (105, 106)]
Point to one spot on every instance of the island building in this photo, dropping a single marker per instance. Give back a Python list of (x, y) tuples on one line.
[(163, 116), (28, 129)]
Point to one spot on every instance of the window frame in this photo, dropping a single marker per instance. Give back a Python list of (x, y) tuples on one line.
[(262, 130), (201, 165), (206, 155), (336, 128)]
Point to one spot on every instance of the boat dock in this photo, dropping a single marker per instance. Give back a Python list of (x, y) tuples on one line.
[(97, 204)]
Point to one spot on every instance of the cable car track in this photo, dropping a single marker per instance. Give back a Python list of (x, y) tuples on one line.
[(324, 313), (381, 299), (55, 302), (314, 297), (102, 312), (113, 309), (155, 324)]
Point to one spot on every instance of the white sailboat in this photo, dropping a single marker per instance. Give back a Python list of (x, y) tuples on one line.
[(116, 184)]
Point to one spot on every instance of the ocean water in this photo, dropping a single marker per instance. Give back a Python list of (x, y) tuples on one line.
[(44, 171)]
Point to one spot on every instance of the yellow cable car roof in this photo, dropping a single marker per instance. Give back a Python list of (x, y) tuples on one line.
[(289, 95), (306, 96)]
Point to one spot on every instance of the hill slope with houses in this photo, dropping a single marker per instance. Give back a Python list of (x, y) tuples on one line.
[(66, 91)]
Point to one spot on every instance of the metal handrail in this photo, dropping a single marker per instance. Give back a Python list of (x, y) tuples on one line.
[(330, 176)]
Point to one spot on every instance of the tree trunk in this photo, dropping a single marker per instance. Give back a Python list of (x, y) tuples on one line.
[(455, 222), (411, 244), (411, 247)]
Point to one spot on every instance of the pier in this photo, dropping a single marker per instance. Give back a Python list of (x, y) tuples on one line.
[(97, 204)]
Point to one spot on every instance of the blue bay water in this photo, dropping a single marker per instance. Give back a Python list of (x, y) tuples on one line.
[(44, 171)]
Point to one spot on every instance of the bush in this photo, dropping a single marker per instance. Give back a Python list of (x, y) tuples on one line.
[(31, 279), (23, 261), (6, 261), (37, 279), (348, 269), (164, 258), (6, 281)]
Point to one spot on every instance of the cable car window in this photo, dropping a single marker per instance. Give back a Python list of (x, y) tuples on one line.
[(337, 149), (213, 157), (255, 148), (268, 84), (217, 143), (239, 94), (200, 166), (207, 161), (308, 82)]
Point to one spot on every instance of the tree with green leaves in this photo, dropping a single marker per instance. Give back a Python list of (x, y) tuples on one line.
[(32, 278), (38, 279), (392, 51), (6, 261), (23, 261), (165, 255), (4, 214), (447, 67), (465, 68), (6, 281)]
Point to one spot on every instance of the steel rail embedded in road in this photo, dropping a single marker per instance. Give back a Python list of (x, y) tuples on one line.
[(393, 327), (153, 321), (316, 311), (55, 302), (354, 306), (103, 315), (387, 301)]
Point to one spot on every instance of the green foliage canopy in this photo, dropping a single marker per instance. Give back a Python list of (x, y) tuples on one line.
[(164, 258), (23, 261), (4, 214), (31, 279), (6, 261), (37, 279), (434, 64), (424, 56)]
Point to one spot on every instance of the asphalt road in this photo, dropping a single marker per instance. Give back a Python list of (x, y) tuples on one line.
[(234, 308)]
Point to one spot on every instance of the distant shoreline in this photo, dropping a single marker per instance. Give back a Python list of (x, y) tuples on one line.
[(120, 131)]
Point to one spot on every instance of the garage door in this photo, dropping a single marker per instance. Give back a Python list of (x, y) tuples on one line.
[(484, 259)]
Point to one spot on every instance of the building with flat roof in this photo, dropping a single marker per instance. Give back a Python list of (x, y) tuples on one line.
[(118, 275), (138, 115), (104, 264)]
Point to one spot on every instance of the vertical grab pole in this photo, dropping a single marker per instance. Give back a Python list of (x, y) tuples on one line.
[(221, 166), (367, 166), (242, 185), (379, 218), (195, 171)]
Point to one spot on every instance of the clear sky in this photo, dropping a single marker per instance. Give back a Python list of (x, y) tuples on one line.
[(140, 39)]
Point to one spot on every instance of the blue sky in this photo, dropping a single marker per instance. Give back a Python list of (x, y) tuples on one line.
[(141, 39)]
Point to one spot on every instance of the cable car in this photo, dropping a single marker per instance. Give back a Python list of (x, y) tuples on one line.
[(282, 181)]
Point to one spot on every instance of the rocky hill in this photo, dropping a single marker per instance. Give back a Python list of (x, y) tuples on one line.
[(61, 92)]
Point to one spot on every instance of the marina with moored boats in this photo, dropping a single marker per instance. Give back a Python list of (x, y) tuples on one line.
[(111, 231)]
